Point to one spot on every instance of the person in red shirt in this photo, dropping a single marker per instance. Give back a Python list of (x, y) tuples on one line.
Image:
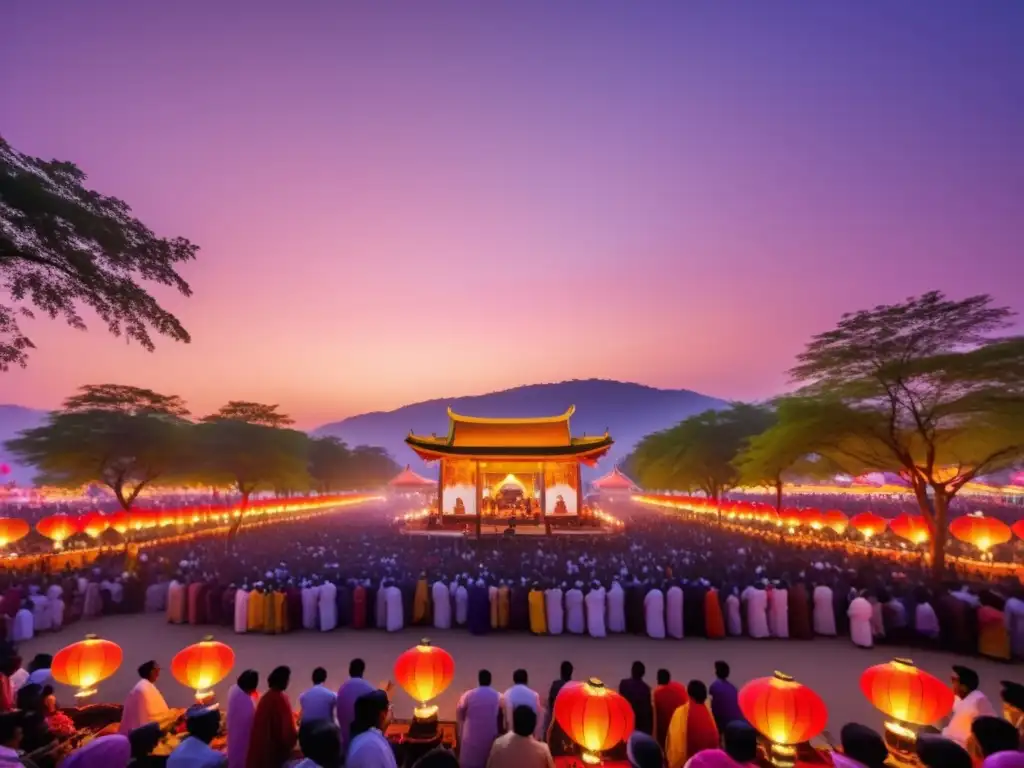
[(668, 696), (274, 733), (692, 728)]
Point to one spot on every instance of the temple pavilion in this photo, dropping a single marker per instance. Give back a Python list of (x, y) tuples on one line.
[(527, 469)]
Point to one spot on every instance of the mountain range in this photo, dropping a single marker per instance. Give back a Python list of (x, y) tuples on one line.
[(628, 411)]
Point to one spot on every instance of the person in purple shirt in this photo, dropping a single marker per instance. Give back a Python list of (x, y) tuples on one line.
[(351, 690), (725, 706)]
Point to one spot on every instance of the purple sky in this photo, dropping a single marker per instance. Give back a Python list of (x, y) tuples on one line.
[(464, 196)]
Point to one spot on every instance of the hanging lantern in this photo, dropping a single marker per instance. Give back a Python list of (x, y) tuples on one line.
[(910, 697), (792, 517), (93, 524), (983, 532), (910, 527), (836, 520), (12, 529), (784, 712), (58, 528), (813, 519), (595, 717), (868, 524), (86, 663), (1018, 529), (119, 521), (202, 665), (424, 672)]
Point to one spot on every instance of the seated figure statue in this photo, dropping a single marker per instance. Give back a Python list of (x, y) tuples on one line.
[(460, 508), (560, 508)]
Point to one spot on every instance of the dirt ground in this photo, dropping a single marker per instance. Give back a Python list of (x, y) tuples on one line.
[(830, 667)]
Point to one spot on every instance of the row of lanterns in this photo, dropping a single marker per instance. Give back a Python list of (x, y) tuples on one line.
[(975, 529), (60, 527)]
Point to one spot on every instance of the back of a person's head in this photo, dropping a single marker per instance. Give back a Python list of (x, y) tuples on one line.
[(438, 757), (367, 713), (864, 745), (10, 726), (320, 741), (319, 676), (143, 740), (722, 670), (483, 677), (638, 670), (565, 671), (356, 668), (740, 741), (202, 722), (697, 691), (279, 678), (249, 680), (939, 752), (664, 677), (993, 734), (519, 677), (524, 720)]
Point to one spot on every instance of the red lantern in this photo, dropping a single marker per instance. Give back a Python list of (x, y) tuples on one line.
[(58, 528), (86, 663), (1018, 529), (905, 693), (120, 521), (784, 712), (910, 527), (595, 717), (202, 665), (12, 529), (424, 672), (836, 520), (868, 524), (813, 519), (983, 532), (93, 524), (791, 517)]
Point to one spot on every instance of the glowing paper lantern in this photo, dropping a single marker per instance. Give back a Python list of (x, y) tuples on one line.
[(983, 532), (93, 524), (836, 520), (86, 663), (595, 717), (784, 712), (1018, 529), (11, 530), (868, 524), (120, 521), (910, 527), (813, 519), (202, 665), (905, 693), (424, 672), (58, 528)]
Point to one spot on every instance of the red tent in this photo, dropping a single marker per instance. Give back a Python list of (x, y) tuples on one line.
[(614, 481), (409, 481)]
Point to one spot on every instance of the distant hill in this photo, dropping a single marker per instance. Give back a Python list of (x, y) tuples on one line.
[(13, 419), (628, 411)]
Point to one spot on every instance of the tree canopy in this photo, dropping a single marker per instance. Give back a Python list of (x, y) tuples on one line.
[(64, 246)]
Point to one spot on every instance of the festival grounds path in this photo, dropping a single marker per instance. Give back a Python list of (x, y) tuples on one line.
[(831, 667)]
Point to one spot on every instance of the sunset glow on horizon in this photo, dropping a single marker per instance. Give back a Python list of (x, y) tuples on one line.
[(455, 197)]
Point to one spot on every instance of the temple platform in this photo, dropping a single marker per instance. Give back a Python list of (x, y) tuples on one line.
[(492, 531)]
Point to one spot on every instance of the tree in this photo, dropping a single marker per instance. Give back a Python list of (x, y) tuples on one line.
[(126, 438), (699, 452), (330, 464), (63, 245), (254, 413), (371, 467), (926, 387)]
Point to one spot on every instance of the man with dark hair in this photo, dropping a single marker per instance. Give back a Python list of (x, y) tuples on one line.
[(970, 704), (273, 727), (864, 745), (202, 724), (669, 695), (638, 693), (321, 745), (520, 694), (725, 699), (477, 715), (939, 752), (349, 692), (144, 704), (564, 676), (642, 751), (518, 748), (368, 747), (692, 728), (991, 735), (318, 702), (10, 738)]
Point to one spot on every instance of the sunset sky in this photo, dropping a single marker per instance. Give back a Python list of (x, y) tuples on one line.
[(400, 201)]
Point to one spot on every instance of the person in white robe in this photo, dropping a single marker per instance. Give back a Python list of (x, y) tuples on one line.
[(824, 612), (860, 622), (779, 612), (553, 611), (654, 614), (24, 625), (575, 619), (926, 623), (674, 612), (176, 599), (1013, 615), (310, 605), (757, 612), (394, 617), (156, 597), (595, 602), (381, 608), (616, 608), (327, 606), (442, 605), (55, 596), (117, 592), (144, 704), (733, 618), (241, 610), (40, 611), (461, 605)]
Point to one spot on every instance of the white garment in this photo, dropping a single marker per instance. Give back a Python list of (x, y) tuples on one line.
[(575, 620), (674, 612), (327, 606), (780, 613), (824, 612), (144, 705), (860, 622), (370, 750), (654, 614), (733, 619), (310, 598), (553, 611), (241, 611), (23, 626), (461, 605), (595, 612), (40, 613), (156, 597), (965, 710), (926, 623), (318, 703), (519, 696), (381, 609), (55, 594), (1013, 615), (757, 616), (395, 619), (616, 608), (442, 606), (18, 679)]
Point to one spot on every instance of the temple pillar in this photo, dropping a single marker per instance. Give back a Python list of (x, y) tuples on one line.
[(544, 496), (440, 491), (479, 500), (579, 492)]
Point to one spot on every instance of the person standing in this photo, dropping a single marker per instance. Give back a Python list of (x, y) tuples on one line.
[(564, 676), (575, 620), (970, 704), (860, 613), (553, 610), (518, 748), (242, 698), (725, 699), (595, 603), (273, 727), (668, 696), (823, 612), (369, 748), (442, 605), (318, 703), (476, 716), (654, 615), (348, 694), (674, 612), (616, 608), (520, 694), (692, 729), (638, 693)]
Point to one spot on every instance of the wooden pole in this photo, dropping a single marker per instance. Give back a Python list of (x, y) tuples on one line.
[(479, 499)]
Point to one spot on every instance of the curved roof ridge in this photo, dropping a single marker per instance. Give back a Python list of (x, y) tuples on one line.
[(459, 418)]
